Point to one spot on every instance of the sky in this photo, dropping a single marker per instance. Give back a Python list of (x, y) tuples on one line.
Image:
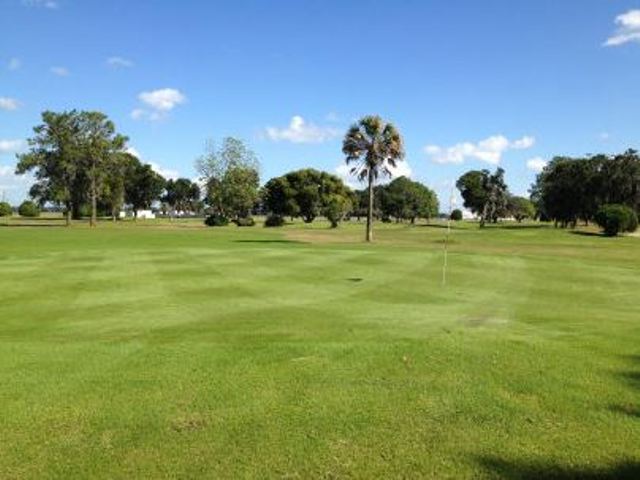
[(469, 84)]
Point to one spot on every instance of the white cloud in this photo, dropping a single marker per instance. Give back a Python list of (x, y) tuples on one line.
[(14, 187), (119, 62), (164, 99), (60, 71), (604, 136), (489, 150), (14, 64), (160, 103), (403, 169), (299, 131), (536, 164), (50, 4), (7, 103), (11, 146), (628, 29), (167, 173)]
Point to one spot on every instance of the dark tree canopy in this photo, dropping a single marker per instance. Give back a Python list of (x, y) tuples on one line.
[(404, 199), (307, 193), (484, 193), (182, 194), (572, 189), (143, 186)]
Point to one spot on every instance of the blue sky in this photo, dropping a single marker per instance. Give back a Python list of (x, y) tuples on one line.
[(469, 84)]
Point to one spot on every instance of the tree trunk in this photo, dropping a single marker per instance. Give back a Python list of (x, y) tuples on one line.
[(369, 236), (94, 203), (68, 214)]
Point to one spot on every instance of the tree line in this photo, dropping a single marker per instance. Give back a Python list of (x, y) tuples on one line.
[(569, 190), (82, 165), (604, 189)]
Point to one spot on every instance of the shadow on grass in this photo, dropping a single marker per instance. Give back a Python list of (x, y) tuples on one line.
[(623, 470), (517, 226), (267, 241), (631, 378), (35, 225), (582, 233), (440, 225)]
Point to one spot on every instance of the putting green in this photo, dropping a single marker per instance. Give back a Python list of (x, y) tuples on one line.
[(168, 350)]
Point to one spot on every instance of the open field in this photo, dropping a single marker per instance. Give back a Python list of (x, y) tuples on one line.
[(171, 350)]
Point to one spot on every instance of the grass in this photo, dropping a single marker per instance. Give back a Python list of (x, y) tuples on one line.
[(170, 350)]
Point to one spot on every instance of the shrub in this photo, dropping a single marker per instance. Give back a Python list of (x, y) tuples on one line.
[(28, 209), (245, 222), (5, 209), (615, 218), (456, 215), (274, 220), (216, 220)]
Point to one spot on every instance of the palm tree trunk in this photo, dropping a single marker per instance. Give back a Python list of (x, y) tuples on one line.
[(370, 210)]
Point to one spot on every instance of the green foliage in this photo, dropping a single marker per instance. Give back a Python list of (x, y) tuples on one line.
[(373, 148), (244, 221), (274, 220), (336, 207), (485, 194), (572, 189), (231, 175), (456, 215), (142, 185), (404, 199), (5, 209), (520, 208), (216, 220), (28, 209), (182, 194), (306, 193), (616, 218), (72, 157)]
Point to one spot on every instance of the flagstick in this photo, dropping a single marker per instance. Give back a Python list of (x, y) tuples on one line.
[(446, 241)]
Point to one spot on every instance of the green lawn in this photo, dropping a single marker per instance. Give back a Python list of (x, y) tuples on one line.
[(175, 351)]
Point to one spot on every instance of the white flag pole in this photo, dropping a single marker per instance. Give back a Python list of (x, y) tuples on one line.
[(446, 240)]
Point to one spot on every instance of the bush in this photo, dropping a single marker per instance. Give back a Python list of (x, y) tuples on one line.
[(245, 222), (28, 209), (456, 215), (5, 209), (216, 220), (615, 218), (274, 220)]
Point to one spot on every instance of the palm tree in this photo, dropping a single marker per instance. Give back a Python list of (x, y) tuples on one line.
[(373, 147)]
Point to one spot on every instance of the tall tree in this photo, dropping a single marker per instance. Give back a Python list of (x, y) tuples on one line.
[(306, 193), (405, 199), (182, 194), (373, 147), (117, 170), (54, 157), (143, 186), (99, 142), (484, 193), (229, 169)]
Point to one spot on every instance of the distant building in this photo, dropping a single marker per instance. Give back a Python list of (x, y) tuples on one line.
[(141, 214)]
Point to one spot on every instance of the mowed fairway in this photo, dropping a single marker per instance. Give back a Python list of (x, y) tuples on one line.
[(182, 352)]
